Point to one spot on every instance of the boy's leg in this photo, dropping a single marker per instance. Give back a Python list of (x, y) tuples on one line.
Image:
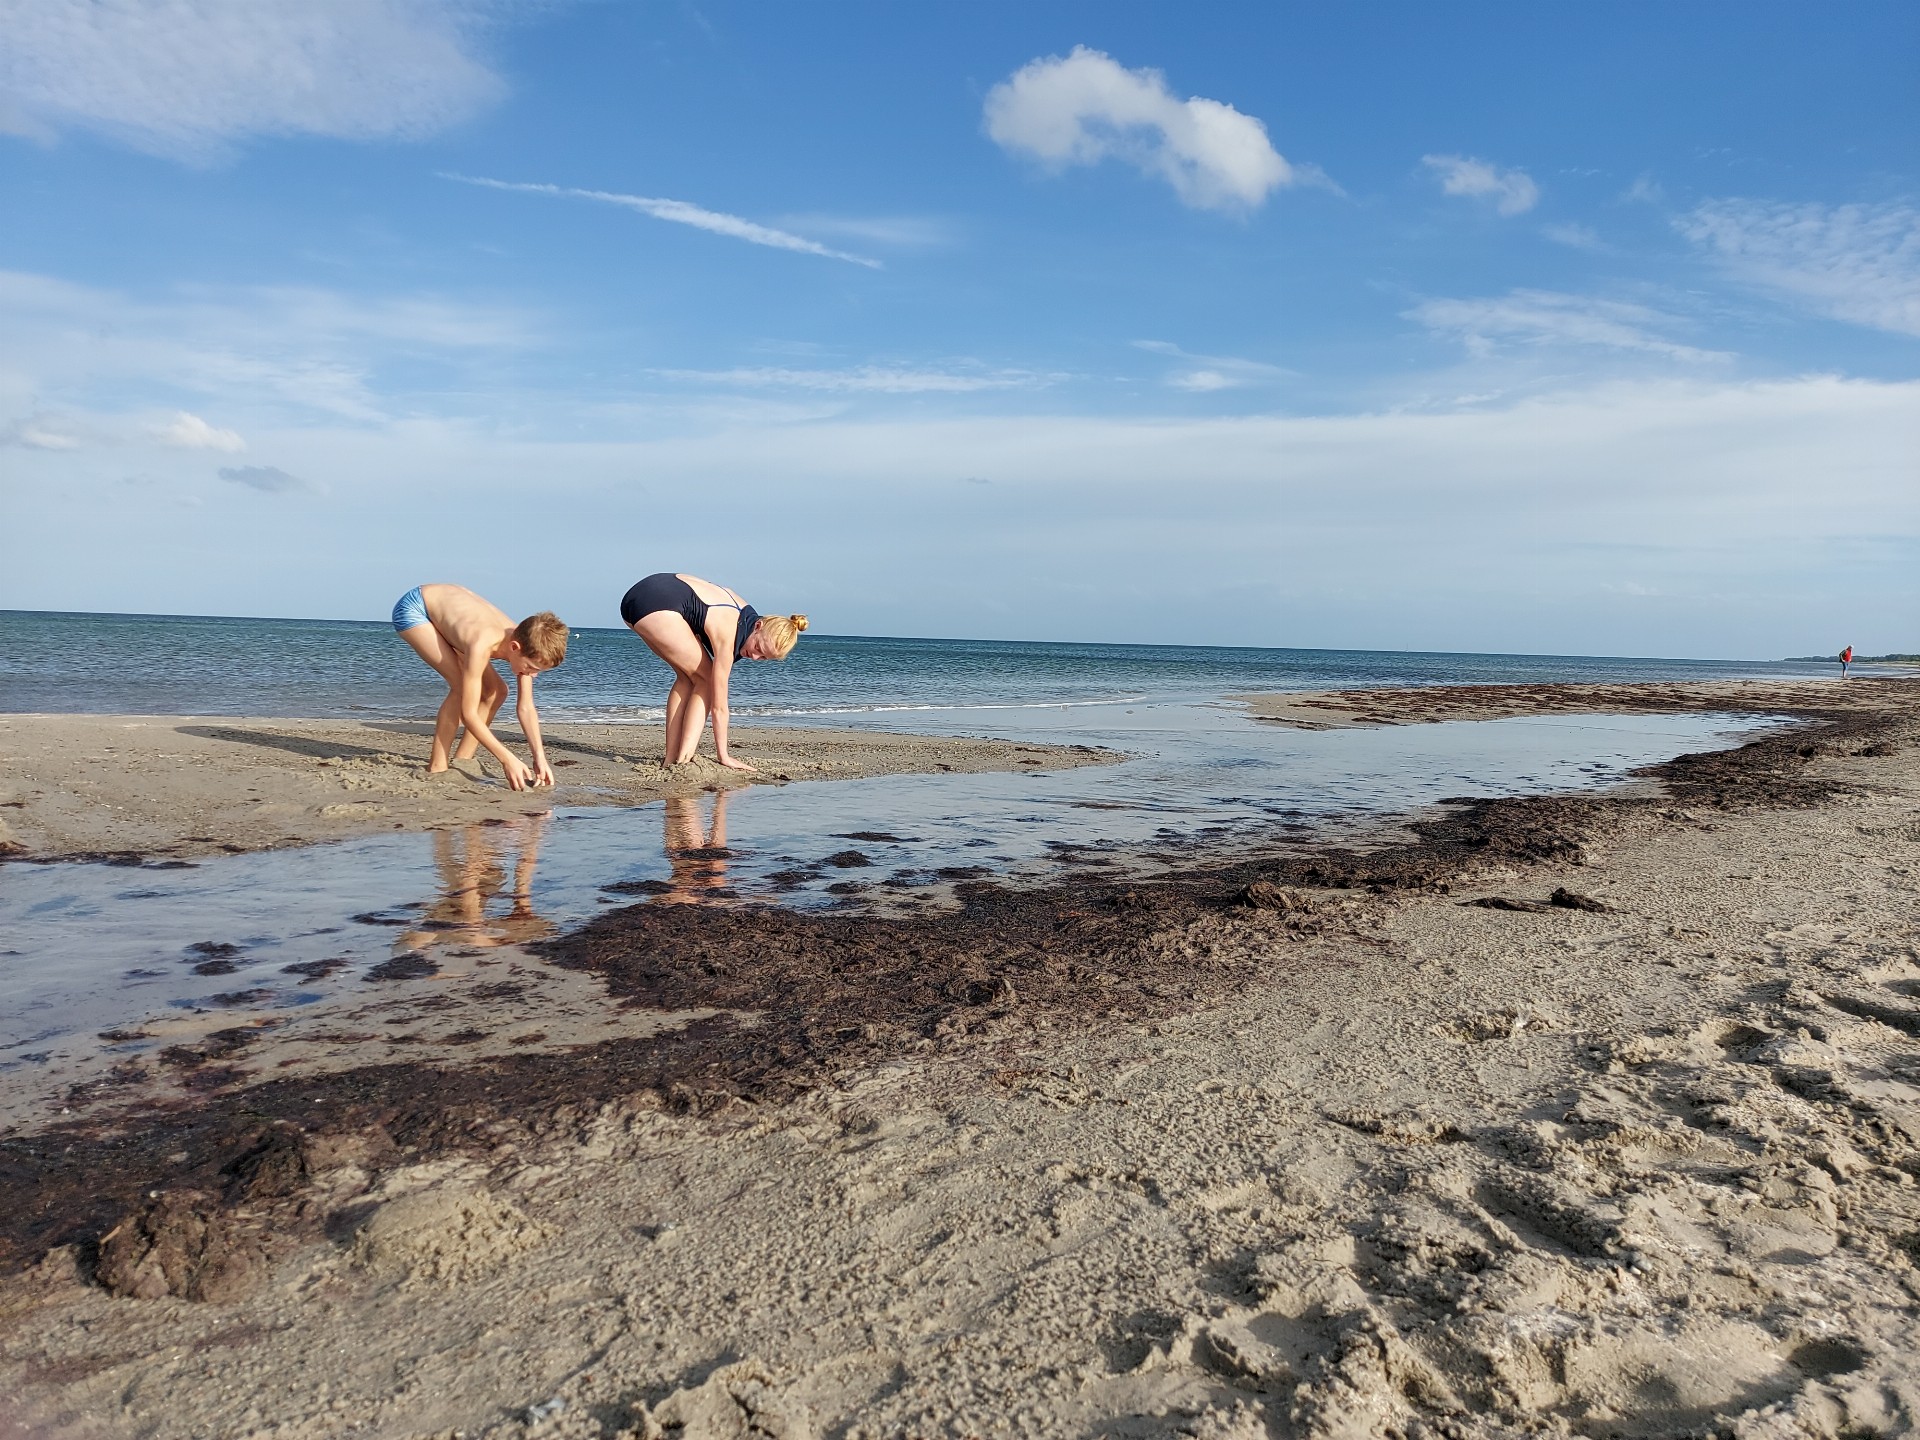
[(431, 646), (493, 694), (446, 725)]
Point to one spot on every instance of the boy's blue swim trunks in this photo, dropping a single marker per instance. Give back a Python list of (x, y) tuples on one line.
[(409, 610)]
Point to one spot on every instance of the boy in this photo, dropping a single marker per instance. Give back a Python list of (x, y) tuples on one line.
[(460, 635)]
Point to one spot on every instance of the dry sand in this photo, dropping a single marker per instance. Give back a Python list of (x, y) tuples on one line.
[(97, 785), (1320, 1148)]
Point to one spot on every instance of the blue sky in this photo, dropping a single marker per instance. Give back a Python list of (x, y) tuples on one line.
[(1573, 328)]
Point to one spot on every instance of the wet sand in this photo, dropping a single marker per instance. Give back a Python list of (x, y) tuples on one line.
[(95, 786), (1596, 1114)]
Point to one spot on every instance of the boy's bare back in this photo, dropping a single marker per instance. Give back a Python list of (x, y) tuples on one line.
[(468, 622)]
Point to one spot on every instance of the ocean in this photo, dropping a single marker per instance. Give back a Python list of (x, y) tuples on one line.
[(206, 665)]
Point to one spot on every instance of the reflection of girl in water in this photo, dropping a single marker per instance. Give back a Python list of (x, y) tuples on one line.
[(472, 866), (698, 857)]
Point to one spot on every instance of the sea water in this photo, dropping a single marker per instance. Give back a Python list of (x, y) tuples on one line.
[(198, 665)]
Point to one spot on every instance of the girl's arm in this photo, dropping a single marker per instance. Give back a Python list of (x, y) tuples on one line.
[(529, 718), (717, 702), (474, 718)]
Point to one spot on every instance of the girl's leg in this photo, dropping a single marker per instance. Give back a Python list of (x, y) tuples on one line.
[(693, 719), (669, 637), (676, 714)]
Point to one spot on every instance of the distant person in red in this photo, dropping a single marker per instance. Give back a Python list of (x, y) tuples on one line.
[(1846, 659)]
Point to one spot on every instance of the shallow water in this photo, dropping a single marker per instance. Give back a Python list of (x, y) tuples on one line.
[(150, 955)]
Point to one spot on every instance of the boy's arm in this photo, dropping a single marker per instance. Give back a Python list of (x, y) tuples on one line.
[(474, 718), (530, 724), (717, 704)]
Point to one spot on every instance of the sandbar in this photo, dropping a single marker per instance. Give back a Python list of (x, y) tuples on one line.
[(78, 786)]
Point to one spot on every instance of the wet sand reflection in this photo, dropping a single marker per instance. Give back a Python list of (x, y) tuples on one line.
[(696, 853), (485, 897)]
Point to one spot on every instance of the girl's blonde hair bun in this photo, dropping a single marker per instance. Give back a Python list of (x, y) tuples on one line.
[(780, 632)]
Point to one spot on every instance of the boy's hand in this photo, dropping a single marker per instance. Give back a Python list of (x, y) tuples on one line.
[(733, 764), (518, 776), (543, 774)]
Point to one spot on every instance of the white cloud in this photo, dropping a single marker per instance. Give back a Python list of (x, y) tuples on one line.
[(681, 212), (1203, 381), (189, 432), (1858, 263), (43, 432), (1544, 317), (1087, 107), (188, 78), (1512, 192), (868, 379), (1491, 527)]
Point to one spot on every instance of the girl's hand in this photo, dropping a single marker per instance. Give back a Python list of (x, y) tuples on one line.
[(733, 764), (518, 776), (543, 774)]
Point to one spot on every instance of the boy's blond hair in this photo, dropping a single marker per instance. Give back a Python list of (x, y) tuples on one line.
[(543, 639), (780, 632)]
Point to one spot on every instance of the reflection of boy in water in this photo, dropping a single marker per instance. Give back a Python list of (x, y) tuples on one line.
[(471, 862), (698, 858)]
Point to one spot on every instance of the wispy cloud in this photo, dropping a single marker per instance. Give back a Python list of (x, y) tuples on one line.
[(1511, 192), (1645, 190), (1575, 237), (249, 349), (1858, 263), (1202, 374), (189, 78), (1088, 107), (187, 431), (268, 479), (865, 379), (902, 232), (1544, 317), (43, 432), (680, 212)]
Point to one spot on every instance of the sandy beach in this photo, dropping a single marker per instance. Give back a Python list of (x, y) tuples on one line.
[(1593, 1114), (76, 786)]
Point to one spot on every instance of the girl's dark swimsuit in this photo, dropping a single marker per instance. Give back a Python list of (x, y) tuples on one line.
[(670, 592)]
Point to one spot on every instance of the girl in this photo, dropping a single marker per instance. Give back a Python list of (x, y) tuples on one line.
[(700, 629)]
